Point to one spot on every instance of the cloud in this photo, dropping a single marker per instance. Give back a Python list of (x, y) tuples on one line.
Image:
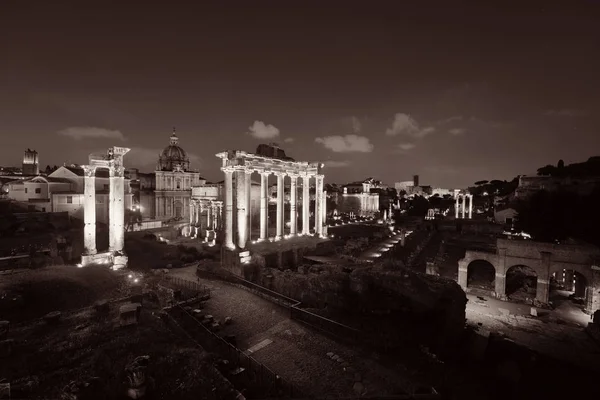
[(404, 124), (147, 158), (566, 113), (336, 164), (455, 118), (288, 140), (90, 132), (456, 131), (406, 146), (346, 144), (260, 130)]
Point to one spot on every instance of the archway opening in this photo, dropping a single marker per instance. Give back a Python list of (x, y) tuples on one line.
[(521, 283), (568, 285), (481, 274)]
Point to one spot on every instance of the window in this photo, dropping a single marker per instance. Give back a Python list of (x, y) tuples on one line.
[(38, 190), (509, 221), (69, 199), (43, 209), (178, 183), (25, 190)]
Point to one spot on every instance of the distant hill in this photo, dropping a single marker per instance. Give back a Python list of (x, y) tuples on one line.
[(588, 168)]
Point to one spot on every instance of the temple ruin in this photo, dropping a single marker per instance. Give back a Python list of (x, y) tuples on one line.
[(461, 205), (113, 162), (238, 167)]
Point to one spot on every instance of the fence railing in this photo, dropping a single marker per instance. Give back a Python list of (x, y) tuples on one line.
[(189, 289), (259, 378)]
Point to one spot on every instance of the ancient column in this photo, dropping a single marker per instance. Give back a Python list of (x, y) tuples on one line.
[(248, 205), (305, 204), (464, 198), (293, 195), (319, 205), (208, 223), (228, 207), (89, 209), (280, 197), (264, 205), (470, 206), (324, 215), (241, 199), (116, 209), (215, 217), (456, 208)]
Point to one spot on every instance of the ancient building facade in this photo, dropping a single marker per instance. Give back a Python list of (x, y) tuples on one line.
[(174, 182), (546, 261)]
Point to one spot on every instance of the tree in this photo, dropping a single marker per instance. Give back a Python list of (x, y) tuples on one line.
[(419, 207), (561, 164), (479, 183)]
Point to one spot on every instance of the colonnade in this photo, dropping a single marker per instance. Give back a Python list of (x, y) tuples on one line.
[(461, 204), (113, 161), (205, 219), (237, 194)]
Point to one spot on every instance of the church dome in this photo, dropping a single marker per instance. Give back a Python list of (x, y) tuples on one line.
[(173, 156)]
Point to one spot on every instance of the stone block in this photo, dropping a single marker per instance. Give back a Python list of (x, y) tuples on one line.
[(533, 312), (228, 320)]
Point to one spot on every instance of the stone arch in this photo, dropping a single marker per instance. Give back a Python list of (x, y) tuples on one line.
[(481, 274), (521, 282)]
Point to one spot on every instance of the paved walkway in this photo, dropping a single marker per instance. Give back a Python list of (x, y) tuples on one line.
[(376, 251), (298, 354)]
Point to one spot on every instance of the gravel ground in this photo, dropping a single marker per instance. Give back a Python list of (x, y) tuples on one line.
[(298, 354), (559, 340)]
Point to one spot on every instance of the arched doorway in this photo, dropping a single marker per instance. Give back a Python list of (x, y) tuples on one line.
[(521, 283), (568, 284), (178, 209), (481, 275), (570, 295)]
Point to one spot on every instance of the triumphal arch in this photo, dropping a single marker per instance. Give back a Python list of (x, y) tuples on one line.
[(238, 167), (113, 162)]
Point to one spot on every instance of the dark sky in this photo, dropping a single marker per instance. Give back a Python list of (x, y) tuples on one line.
[(453, 91)]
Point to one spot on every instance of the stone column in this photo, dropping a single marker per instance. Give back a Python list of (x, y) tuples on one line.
[(463, 274), (293, 213), (156, 207), (543, 280), (208, 222), (464, 199), (264, 205), (456, 208), (116, 209), (280, 197), (228, 207), (215, 217), (248, 205), (470, 206), (324, 215), (241, 199), (319, 205), (305, 205), (500, 280), (89, 210)]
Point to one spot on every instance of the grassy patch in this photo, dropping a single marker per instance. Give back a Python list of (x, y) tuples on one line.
[(33, 294)]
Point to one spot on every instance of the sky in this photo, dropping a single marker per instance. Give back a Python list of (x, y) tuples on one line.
[(454, 91)]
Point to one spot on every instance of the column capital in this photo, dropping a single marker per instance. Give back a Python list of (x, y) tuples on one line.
[(293, 175), (228, 169), (279, 173), (265, 172), (89, 170), (319, 176), (248, 171)]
